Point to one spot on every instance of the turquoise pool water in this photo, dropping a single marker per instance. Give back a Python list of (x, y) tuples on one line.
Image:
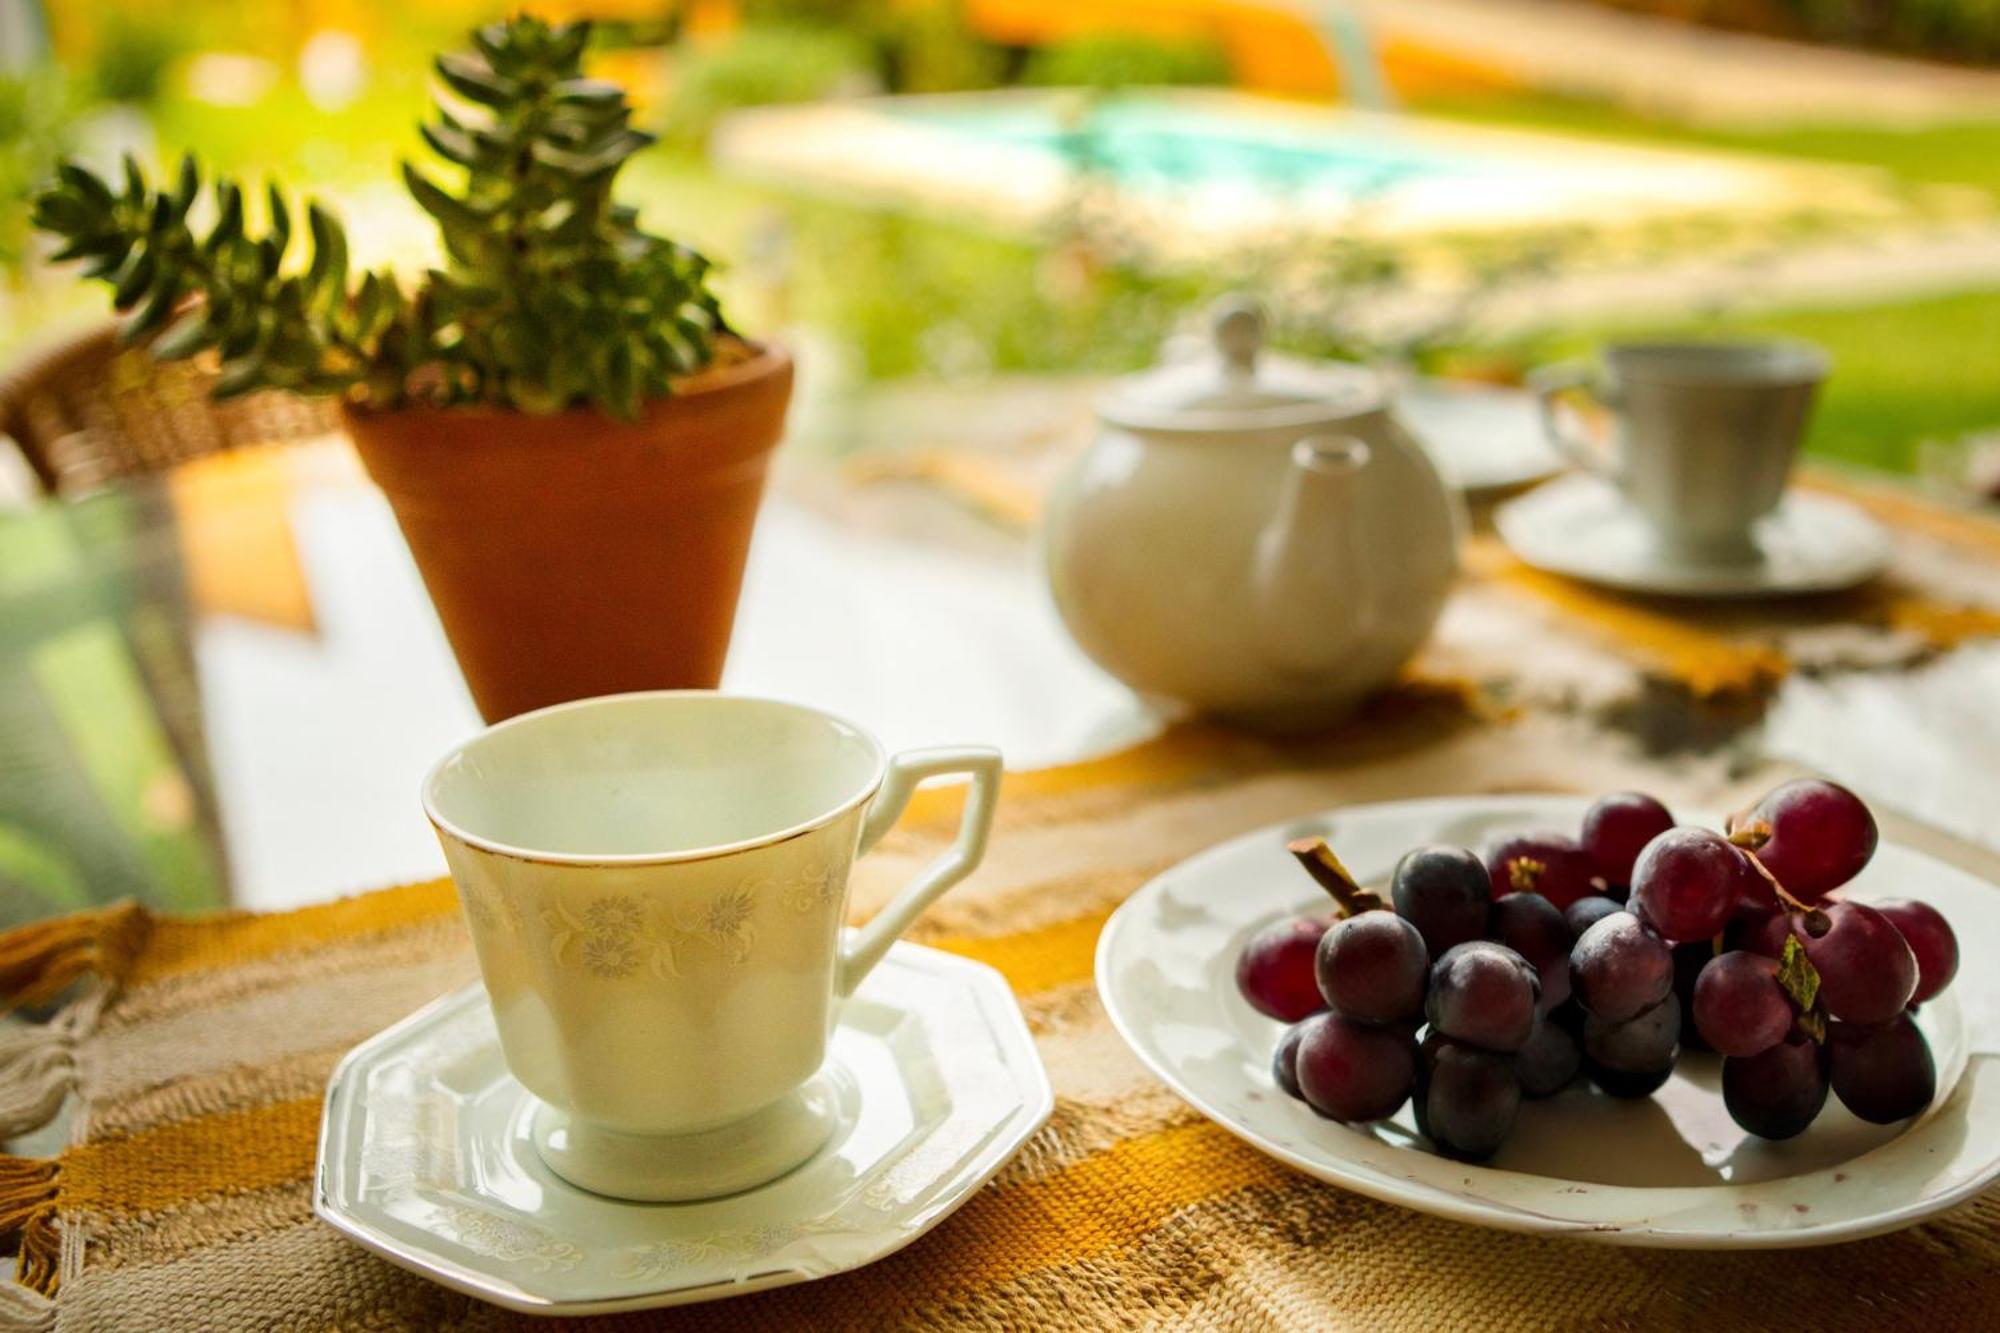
[(1163, 146)]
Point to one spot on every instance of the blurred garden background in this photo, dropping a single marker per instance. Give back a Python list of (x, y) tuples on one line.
[(1056, 183)]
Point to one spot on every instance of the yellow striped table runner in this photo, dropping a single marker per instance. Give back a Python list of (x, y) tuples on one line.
[(193, 1054)]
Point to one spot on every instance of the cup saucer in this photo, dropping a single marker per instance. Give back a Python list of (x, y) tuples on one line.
[(1581, 527), (427, 1155)]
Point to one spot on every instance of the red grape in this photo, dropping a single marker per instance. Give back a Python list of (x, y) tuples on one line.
[(1530, 925), (1275, 969), (1373, 968), (1821, 836), (1285, 1060), (1620, 967), (1545, 863), (1617, 828), (1687, 883), (1689, 960), (1884, 1073), (1584, 913), (1549, 1061), (1638, 1045), (1483, 994), (1776, 1093), (1443, 892), (1739, 1008), (1467, 1098), (1867, 972), (1930, 938), (1351, 1071), (1764, 934)]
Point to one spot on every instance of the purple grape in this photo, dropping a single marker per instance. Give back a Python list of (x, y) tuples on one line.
[(1549, 1061), (1930, 939), (1351, 1071), (1275, 970), (1776, 1093), (1285, 1060), (1443, 892), (1639, 1045), (1620, 967), (1739, 1007), (1584, 913), (1483, 994), (1373, 968), (1867, 972), (1883, 1073), (1821, 836), (1617, 828), (1688, 882), (1689, 960), (1467, 1098), (1545, 863), (1531, 926)]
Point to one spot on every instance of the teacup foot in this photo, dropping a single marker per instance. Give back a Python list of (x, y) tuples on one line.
[(681, 1168)]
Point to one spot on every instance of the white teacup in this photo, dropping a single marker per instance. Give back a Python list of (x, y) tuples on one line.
[(1708, 432), (656, 885)]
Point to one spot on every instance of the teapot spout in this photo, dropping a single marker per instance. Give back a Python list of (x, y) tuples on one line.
[(1309, 580)]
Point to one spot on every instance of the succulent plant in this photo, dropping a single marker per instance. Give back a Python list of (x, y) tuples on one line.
[(551, 297)]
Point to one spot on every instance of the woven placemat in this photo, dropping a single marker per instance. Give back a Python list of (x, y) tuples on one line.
[(195, 1059)]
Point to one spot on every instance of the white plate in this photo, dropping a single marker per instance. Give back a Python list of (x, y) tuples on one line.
[(1481, 437), (1671, 1170), (1581, 527), (425, 1155)]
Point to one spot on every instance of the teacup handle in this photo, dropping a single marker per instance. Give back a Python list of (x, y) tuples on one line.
[(1550, 383), (864, 948)]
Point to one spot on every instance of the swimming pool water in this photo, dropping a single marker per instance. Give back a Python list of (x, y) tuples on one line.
[(1163, 146)]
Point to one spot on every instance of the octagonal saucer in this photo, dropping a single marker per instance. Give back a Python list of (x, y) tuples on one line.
[(426, 1155)]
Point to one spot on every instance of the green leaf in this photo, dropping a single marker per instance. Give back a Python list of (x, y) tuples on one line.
[(135, 182), (188, 187), (590, 92), (186, 336), (153, 313), (134, 279), (243, 375), (281, 218), (86, 184), (451, 143), (472, 79), (1798, 978), (228, 217), (326, 276), (597, 161)]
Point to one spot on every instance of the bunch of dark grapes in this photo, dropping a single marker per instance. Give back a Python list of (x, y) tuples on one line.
[(1485, 981)]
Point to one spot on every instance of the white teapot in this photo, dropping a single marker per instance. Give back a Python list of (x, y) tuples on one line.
[(1253, 537)]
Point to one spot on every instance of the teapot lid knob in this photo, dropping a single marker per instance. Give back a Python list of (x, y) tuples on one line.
[(1237, 325)]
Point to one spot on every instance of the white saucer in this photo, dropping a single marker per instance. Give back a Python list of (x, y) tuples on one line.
[(426, 1154), (1481, 437), (1669, 1171), (1581, 527)]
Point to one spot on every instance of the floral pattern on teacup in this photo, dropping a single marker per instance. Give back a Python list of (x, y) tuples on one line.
[(617, 935)]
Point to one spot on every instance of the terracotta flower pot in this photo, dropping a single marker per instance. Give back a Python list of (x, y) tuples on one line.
[(574, 554)]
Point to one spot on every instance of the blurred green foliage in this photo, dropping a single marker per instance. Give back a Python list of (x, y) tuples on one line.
[(135, 55), (1120, 60), (763, 64), (37, 122)]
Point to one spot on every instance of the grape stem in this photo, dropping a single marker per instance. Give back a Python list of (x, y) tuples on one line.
[(1750, 834), (1331, 875)]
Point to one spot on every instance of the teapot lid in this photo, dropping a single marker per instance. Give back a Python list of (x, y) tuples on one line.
[(1233, 385)]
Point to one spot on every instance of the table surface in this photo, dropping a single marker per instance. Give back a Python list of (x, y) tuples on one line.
[(225, 684)]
